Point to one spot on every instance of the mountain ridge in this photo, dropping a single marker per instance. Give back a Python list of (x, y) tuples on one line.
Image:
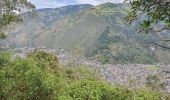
[(94, 31)]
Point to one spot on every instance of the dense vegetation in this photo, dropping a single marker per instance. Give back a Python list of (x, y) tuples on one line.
[(113, 48), (39, 76)]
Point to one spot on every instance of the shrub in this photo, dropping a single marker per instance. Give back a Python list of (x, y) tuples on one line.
[(72, 74), (94, 90), (31, 78), (147, 95), (39, 77), (4, 58), (44, 58)]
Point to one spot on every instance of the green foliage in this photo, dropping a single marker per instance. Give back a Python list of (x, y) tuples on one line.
[(44, 58), (24, 80), (4, 59), (94, 90), (79, 73), (33, 78), (103, 59), (146, 95), (7, 19), (128, 53), (157, 12), (3, 35), (29, 79), (8, 15)]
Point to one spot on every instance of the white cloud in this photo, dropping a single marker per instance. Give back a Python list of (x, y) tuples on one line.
[(59, 3), (46, 3)]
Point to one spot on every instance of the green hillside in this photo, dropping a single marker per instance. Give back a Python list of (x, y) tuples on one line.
[(99, 32)]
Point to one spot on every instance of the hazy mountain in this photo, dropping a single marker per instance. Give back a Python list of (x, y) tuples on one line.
[(93, 31)]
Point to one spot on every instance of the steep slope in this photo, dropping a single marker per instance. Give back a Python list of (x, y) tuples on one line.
[(99, 32), (37, 24)]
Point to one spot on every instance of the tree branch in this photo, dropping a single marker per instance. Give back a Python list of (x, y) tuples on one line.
[(165, 47)]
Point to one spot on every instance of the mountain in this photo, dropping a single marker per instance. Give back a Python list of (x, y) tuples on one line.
[(99, 32)]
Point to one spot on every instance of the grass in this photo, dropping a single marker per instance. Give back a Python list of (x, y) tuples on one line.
[(152, 68)]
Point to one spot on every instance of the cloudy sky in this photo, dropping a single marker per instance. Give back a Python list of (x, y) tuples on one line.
[(58, 3)]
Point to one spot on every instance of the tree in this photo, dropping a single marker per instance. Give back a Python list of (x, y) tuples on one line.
[(36, 77), (157, 11), (9, 12), (154, 16)]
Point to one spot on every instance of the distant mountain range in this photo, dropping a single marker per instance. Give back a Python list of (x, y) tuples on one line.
[(99, 32)]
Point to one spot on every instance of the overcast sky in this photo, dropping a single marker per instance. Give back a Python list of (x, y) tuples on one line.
[(58, 3)]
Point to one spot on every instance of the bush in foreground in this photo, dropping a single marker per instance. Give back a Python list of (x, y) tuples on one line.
[(94, 90), (39, 77)]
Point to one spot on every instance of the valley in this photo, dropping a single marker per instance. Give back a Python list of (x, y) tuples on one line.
[(97, 37), (91, 31), (156, 77), (84, 50)]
